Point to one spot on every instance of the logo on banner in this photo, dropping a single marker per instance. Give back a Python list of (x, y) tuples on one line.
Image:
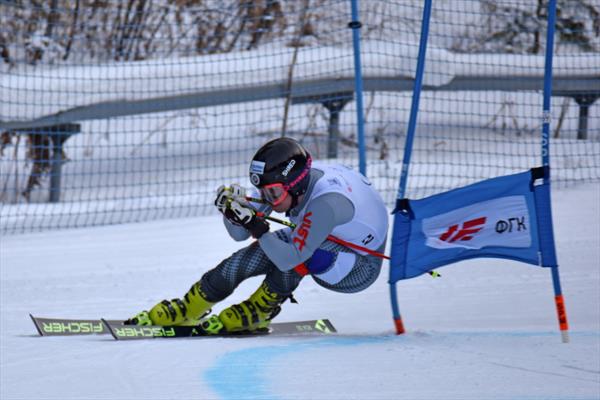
[(466, 231), (501, 222)]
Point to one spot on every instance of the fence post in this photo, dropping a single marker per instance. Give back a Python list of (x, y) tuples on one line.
[(58, 135), (358, 88), (584, 102), (335, 106)]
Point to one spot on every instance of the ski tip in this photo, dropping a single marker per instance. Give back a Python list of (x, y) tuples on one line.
[(330, 326), (36, 324), (316, 326), (325, 326)]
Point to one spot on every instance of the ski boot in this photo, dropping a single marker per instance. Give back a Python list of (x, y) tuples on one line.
[(212, 325), (254, 314), (186, 312)]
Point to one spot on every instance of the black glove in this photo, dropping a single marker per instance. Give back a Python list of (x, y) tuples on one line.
[(244, 215)]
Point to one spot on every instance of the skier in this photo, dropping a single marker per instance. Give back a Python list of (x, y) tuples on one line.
[(321, 200)]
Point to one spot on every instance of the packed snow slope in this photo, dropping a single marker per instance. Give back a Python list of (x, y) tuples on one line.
[(486, 329)]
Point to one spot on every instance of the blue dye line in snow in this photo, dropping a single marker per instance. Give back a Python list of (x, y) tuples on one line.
[(443, 334), (240, 374)]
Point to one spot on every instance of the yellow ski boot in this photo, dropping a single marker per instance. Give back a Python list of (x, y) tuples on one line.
[(253, 314), (188, 311)]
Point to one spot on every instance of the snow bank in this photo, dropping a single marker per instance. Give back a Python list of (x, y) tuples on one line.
[(42, 91)]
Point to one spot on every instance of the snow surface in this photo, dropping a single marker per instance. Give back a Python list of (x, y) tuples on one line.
[(486, 329)]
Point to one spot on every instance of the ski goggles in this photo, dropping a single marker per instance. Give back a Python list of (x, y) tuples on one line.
[(274, 193)]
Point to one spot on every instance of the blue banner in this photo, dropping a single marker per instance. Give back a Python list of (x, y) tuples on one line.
[(504, 217)]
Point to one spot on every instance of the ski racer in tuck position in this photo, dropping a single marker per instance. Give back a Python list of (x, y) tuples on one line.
[(321, 200)]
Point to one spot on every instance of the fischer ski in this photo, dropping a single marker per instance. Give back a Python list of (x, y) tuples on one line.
[(75, 327), (133, 332), (69, 327)]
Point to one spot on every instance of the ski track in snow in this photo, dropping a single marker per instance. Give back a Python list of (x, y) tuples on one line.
[(486, 330)]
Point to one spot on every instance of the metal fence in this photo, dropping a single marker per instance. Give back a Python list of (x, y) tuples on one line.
[(115, 112)]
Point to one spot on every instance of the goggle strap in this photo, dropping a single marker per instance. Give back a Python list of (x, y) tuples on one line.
[(299, 177)]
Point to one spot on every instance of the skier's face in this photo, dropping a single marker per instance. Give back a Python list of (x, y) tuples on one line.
[(284, 205)]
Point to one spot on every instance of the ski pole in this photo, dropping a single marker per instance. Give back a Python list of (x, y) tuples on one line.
[(332, 238), (335, 239), (255, 200), (329, 237), (263, 215), (279, 221)]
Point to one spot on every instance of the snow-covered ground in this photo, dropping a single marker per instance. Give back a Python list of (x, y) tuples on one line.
[(486, 329)]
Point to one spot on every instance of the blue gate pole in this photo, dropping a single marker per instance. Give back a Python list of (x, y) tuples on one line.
[(548, 88), (358, 88), (546, 118), (412, 123)]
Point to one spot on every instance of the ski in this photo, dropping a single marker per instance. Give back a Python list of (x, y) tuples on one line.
[(132, 332), (74, 327), (69, 327)]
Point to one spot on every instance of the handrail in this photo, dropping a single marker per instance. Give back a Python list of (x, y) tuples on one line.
[(307, 91)]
